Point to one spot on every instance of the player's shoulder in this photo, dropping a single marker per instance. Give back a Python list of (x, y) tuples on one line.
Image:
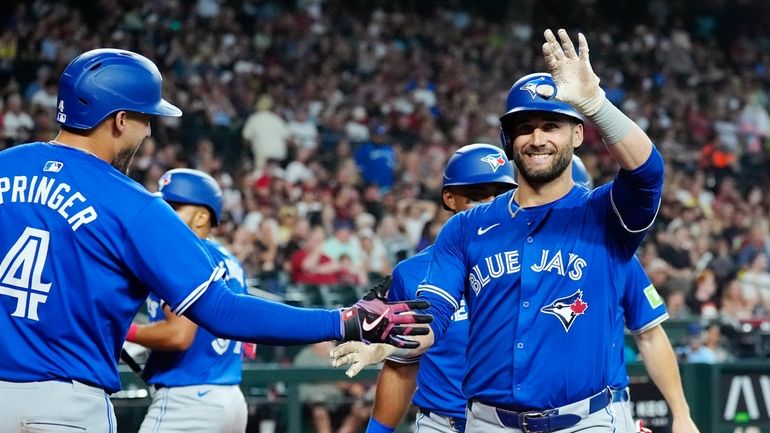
[(16, 153), (417, 261), (217, 249)]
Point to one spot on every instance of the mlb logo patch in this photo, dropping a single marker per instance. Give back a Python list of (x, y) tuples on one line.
[(495, 160), (53, 166)]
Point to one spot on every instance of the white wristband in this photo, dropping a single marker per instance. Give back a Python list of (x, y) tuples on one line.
[(612, 124)]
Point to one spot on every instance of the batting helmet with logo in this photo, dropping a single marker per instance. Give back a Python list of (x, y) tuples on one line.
[(533, 92), (187, 186), (100, 82), (580, 174), (476, 164)]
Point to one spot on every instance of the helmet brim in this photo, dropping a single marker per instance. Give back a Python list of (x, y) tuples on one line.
[(165, 108)]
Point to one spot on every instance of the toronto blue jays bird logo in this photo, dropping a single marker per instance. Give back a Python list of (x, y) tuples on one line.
[(164, 180), (538, 87), (495, 160), (567, 309)]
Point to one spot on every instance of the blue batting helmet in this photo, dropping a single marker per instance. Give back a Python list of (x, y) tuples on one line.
[(100, 82), (476, 164), (187, 186), (580, 174), (533, 92)]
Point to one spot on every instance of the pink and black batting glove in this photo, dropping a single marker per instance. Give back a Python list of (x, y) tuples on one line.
[(374, 320)]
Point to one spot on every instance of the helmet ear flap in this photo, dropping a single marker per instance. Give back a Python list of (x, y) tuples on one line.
[(507, 146)]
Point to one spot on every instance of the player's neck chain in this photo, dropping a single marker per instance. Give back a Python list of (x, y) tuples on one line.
[(510, 205), (59, 143)]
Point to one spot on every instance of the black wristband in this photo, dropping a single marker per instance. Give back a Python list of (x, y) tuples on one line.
[(351, 327)]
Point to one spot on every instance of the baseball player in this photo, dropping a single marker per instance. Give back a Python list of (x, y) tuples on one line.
[(439, 380), (475, 173), (82, 245), (541, 266), (195, 374)]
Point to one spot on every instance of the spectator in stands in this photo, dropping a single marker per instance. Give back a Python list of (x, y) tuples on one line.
[(267, 134), (344, 242), (756, 281), (696, 351), (310, 265), (376, 160), (703, 298), (735, 306), (17, 124), (713, 341), (376, 263)]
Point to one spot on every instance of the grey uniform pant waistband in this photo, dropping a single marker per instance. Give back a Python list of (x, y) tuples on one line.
[(548, 420)]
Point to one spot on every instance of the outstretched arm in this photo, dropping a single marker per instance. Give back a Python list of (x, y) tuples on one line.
[(659, 359)]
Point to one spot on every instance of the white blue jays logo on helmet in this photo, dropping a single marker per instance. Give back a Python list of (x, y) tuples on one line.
[(537, 88), (164, 180), (567, 309), (495, 160)]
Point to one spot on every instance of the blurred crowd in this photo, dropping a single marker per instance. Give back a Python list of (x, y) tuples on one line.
[(328, 125)]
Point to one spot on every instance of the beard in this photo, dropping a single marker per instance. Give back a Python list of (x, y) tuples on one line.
[(122, 161), (562, 160)]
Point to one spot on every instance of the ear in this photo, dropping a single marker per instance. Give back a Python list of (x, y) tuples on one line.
[(202, 218), (120, 120), (449, 199), (577, 135)]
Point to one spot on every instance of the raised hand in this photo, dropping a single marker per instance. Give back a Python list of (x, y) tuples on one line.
[(576, 82)]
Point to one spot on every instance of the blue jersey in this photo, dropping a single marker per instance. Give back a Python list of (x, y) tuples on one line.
[(208, 360), (80, 241), (541, 285), (439, 380), (376, 163), (641, 308)]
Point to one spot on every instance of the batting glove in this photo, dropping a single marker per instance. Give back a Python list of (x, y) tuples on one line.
[(373, 320), (379, 290), (359, 355), (576, 82)]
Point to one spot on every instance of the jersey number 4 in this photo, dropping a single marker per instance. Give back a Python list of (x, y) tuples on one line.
[(21, 270)]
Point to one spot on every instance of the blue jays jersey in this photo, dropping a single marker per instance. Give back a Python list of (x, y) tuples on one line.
[(642, 308), (79, 244), (208, 360), (541, 284), (439, 380)]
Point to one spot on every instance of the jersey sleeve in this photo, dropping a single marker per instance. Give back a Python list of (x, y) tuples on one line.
[(444, 283), (642, 305), (167, 257), (397, 290), (635, 198)]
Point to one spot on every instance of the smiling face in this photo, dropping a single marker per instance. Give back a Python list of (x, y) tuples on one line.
[(543, 144)]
